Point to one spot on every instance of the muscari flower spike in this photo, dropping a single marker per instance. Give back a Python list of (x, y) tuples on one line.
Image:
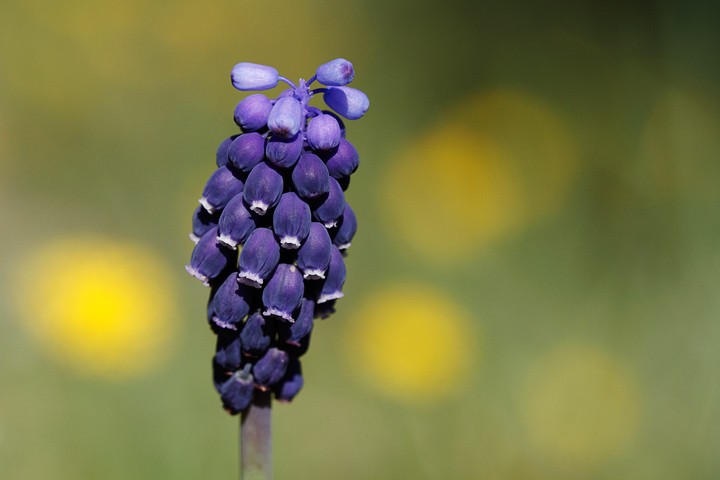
[(277, 198)]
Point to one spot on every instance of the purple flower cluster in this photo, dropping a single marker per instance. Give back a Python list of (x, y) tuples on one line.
[(277, 198)]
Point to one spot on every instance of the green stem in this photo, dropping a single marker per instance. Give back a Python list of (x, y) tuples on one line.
[(255, 445)]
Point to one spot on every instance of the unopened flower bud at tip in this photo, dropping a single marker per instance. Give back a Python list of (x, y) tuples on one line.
[(336, 73), (252, 76)]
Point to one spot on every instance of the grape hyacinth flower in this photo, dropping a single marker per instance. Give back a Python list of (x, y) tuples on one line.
[(271, 233)]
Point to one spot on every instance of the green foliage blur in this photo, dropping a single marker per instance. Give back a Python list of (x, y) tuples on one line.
[(589, 296)]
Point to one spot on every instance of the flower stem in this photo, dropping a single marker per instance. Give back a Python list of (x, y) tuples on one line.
[(255, 445)]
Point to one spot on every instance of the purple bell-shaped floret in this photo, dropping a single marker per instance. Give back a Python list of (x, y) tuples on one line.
[(231, 303), (335, 278), (228, 355), (291, 383), (257, 335), (291, 221), (251, 114), (332, 207), (202, 221), (209, 258), (219, 189), (236, 223), (286, 117), (314, 255), (342, 162), (237, 391), (284, 152), (323, 133), (258, 258), (295, 332), (349, 102), (335, 73), (251, 76), (310, 177), (283, 293), (221, 155), (347, 227), (246, 151), (270, 368), (263, 188)]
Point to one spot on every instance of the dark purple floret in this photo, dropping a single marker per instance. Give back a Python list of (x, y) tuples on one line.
[(310, 177), (263, 188), (286, 117), (349, 102), (231, 303), (257, 335), (323, 133), (202, 221), (220, 375), (221, 156), (283, 293), (228, 355), (332, 207), (325, 309), (252, 76), (251, 114), (291, 221), (347, 227), (284, 152), (209, 258), (314, 255), (335, 278), (236, 223), (295, 332), (258, 258), (344, 161), (237, 391), (291, 383), (246, 151), (336, 72), (270, 368), (219, 189)]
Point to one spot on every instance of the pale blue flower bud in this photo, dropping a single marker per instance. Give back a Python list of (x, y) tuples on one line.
[(251, 76), (286, 117), (349, 102), (335, 73)]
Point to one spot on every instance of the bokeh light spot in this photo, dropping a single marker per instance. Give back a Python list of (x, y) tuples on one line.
[(412, 343), (497, 161), (97, 305), (580, 405)]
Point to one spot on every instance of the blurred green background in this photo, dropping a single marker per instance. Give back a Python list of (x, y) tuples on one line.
[(532, 293)]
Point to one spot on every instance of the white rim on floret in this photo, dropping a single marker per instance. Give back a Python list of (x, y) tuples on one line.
[(226, 240), (250, 278), (259, 207), (291, 243), (222, 324), (206, 205), (195, 273), (344, 246), (330, 296), (314, 274), (274, 312), (195, 239)]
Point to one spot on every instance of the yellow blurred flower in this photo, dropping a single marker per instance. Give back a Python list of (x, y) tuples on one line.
[(97, 305), (580, 405), (496, 161), (411, 342)]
